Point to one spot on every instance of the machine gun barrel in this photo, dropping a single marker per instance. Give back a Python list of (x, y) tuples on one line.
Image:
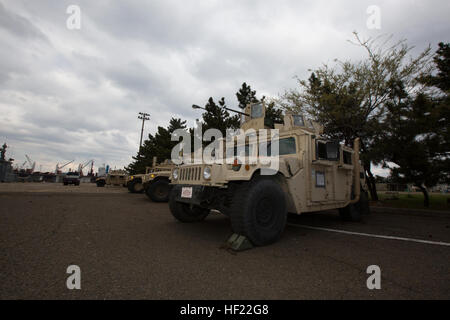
[(194, 106), (239, 112)]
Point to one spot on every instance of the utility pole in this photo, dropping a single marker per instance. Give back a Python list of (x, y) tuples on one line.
[(144, 116)]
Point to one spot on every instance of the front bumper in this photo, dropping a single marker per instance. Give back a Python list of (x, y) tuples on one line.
[(204, 196), (147, 182)]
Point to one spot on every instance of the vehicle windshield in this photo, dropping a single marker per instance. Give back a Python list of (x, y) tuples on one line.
[(285, 146), (241, 151)]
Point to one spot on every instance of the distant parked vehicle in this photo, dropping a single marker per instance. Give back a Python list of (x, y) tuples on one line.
[(71, 178), (114, 177)]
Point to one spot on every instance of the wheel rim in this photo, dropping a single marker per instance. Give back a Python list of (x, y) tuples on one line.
[(190, 211), (265, 213), (161, 190)]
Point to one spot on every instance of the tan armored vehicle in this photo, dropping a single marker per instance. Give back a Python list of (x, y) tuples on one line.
[(114, 177), (156, 182), (134, 182), (313, 174)]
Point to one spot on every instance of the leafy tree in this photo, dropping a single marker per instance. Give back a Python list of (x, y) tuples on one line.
[(414, 143), (349, 100), (417, 138)]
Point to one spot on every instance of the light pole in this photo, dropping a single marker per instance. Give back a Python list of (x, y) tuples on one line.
[(144, 116)]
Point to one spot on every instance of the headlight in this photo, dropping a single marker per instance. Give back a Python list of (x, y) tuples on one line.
[(175, 174), (207, 173), (131, 178)]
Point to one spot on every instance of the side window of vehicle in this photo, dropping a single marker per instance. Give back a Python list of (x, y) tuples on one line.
[(327, 150), (333, 151), (347, 157), (321, 150)]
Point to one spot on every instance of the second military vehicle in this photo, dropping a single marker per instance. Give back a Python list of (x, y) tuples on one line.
[(156, 182), (134, 182), (114, 177), (313, 174)]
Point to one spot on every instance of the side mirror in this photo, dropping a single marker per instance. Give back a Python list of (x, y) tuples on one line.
[(332, 151)]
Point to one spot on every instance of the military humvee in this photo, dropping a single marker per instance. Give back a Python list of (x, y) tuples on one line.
[(114, 177), (313, 175), (134, 182), (156, 182)]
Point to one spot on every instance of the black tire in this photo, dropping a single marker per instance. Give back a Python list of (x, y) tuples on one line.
[(158, 191), (354, 212), (135, 186), (364, 203), (100, 183), (258, 211), (185, 212), (65, 183)]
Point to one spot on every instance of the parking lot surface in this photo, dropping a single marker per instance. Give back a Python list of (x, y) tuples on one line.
[(128, 247)]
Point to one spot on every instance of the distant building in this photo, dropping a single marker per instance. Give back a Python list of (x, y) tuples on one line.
[(6, 172)]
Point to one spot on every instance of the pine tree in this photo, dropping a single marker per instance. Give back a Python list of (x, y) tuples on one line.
[(417, 138), (246, 95), (216, 117), (158, 145)]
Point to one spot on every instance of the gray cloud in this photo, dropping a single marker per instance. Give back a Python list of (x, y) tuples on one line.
[(75, 94), (18, 25)]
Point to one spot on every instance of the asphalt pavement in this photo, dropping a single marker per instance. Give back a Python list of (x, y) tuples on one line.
[(128, 247)]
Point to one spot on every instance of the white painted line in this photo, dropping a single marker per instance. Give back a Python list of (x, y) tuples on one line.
[(372, 235)]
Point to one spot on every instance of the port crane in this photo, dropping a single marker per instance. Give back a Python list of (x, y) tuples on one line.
[(31, 163), (58, 167), (82, 166)]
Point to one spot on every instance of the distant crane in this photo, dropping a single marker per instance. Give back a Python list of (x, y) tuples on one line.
[(82, 166), (31, 163), (58, 167), (91, 172)]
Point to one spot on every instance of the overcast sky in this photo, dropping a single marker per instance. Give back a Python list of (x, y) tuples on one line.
[(75, 94)]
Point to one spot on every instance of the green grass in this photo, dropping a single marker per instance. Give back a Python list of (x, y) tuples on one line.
[(414, 200)]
